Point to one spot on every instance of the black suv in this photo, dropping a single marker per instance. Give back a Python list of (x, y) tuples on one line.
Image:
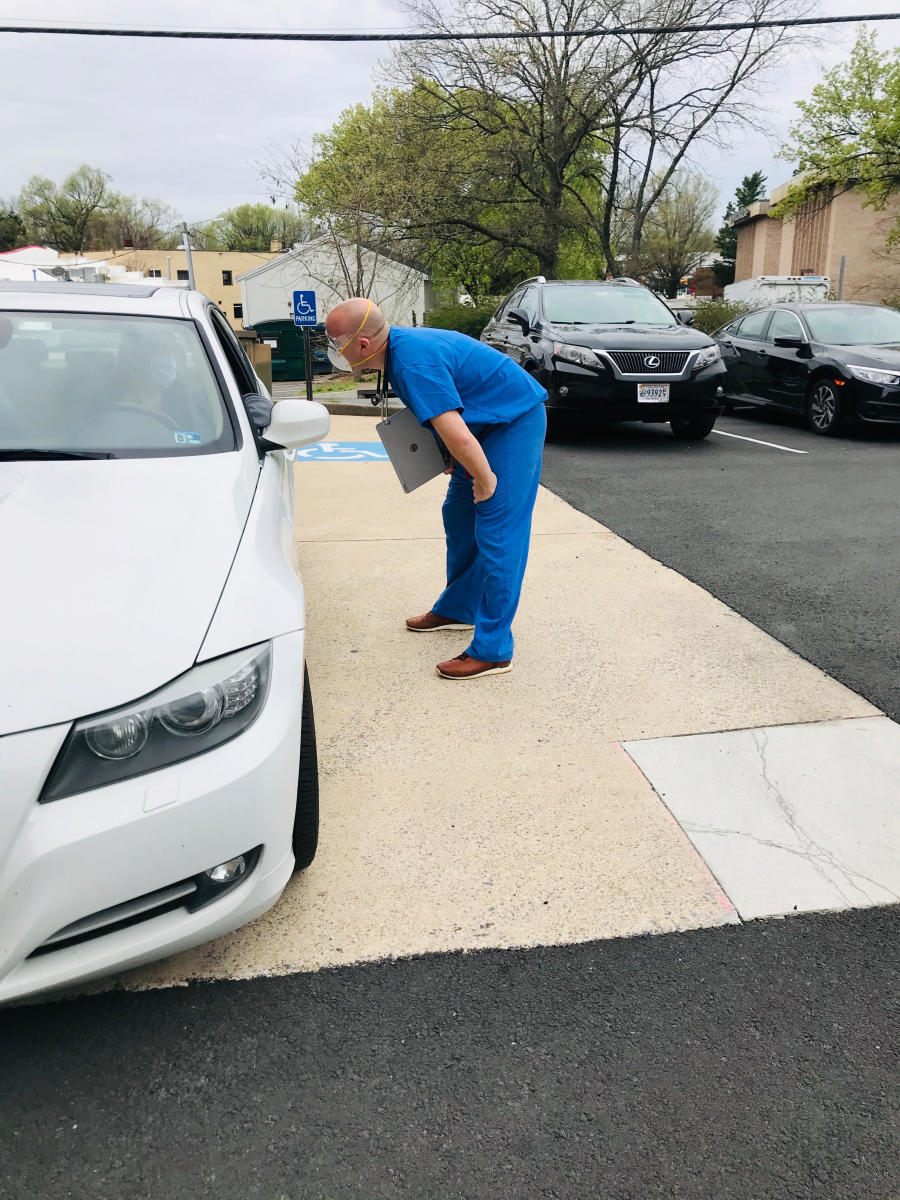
[(612, 350)]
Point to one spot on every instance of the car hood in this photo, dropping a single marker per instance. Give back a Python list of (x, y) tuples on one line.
[(629, 337), (885, 357), (112, 573)]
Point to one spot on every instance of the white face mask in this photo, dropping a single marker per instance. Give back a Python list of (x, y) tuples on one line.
[(337, 360), (162, 370)]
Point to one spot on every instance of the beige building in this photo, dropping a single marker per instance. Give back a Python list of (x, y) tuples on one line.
[(215, 272), (815, 240)]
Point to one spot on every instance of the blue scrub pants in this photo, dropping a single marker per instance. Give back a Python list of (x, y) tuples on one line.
[(487, 543)]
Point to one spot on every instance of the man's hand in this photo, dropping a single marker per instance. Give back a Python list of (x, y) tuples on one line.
[(466, 450), (483, 489)]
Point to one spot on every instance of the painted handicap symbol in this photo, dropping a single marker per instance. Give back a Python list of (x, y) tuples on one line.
[(342, 452)]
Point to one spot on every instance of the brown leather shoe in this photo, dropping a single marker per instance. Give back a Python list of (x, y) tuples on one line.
[(431, 622), (463, 667)]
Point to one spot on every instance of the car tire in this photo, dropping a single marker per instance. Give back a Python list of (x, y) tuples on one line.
[(305, 838), (824, 410), (693, 429)]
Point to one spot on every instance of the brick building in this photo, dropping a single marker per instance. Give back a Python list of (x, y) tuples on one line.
[(814, 240)]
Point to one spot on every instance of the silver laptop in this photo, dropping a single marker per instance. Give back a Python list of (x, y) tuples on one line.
[(417, 453)]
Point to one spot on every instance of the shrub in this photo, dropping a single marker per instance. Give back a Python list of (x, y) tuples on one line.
[(712, 314), (892, 302), (461, 317)]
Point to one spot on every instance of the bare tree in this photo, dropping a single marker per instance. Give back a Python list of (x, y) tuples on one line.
[(355, 194), (678, 232), (143, 224), (581, 123)]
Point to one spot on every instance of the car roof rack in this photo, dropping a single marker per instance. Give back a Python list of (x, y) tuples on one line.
[(533, 279), (625, 279)]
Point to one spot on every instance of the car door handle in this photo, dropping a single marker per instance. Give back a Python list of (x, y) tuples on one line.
[(762, 353)]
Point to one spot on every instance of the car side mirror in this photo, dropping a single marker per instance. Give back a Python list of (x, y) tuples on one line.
[(518, 316), (789, 342), (296, 423), (685, 316)]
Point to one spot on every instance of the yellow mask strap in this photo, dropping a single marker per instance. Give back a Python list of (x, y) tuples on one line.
[(360, 329), (355, 335)]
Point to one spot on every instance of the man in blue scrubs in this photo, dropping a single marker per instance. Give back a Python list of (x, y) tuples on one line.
[(490, 415)]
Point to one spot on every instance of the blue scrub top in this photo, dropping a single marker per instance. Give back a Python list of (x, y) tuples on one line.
[(434, 371)]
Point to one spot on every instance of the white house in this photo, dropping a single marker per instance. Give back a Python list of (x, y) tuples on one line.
[(20, 272), (401, 291)]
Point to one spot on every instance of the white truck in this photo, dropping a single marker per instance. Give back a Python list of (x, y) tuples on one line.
[(779, 289)]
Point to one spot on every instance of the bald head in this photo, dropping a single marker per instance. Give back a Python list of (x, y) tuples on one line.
[(355, 315), (358, 325)]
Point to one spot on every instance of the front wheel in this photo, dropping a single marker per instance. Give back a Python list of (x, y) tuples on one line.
[(693, 429), (306, 817), (823, 408)]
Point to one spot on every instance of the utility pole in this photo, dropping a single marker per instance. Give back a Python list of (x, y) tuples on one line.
[(186, 243), (840, 294)]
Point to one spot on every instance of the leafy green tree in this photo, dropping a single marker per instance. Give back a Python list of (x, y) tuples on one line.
[(253, 227), (377, 185), (752, 187), (403, 180), (60, 215), (848, 134), (12, 231)]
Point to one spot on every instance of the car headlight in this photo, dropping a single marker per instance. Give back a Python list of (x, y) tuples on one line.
[(708, 356), (873, 375), (203, 709), (583, 355)]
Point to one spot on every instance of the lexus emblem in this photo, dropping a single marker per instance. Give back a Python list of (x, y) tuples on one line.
[(651, 361)]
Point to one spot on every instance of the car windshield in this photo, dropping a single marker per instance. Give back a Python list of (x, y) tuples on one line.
[(95, 385), (601, 305), (854, 325)]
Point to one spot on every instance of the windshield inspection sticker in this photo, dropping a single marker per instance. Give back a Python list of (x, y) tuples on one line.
[(342, 452), (187, 439)]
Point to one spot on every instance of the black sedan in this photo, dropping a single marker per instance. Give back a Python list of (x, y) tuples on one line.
[(835, 363)]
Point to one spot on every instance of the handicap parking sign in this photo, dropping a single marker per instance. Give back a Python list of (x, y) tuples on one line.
[(305, 308)]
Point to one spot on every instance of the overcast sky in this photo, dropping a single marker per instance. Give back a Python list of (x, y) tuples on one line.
[(188, 122)]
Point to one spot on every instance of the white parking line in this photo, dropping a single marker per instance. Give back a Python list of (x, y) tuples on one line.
[(773, 445)]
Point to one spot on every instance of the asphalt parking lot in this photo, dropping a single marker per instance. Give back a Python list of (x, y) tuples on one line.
[(512, 972), (798, 535)]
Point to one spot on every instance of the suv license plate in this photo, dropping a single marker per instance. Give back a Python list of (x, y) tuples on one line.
[(653, 393)]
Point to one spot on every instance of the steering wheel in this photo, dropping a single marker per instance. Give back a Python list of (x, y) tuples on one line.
[(154, 414)]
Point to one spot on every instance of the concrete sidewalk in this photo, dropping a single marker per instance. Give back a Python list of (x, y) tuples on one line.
[(505, 811), (339, 404)]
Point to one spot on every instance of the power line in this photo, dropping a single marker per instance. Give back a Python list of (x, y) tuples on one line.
[(438, 36)]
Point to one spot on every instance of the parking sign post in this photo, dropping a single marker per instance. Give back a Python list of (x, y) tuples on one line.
[(305, 317)]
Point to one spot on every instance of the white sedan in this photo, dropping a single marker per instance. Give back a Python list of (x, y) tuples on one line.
[(158, 780)]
